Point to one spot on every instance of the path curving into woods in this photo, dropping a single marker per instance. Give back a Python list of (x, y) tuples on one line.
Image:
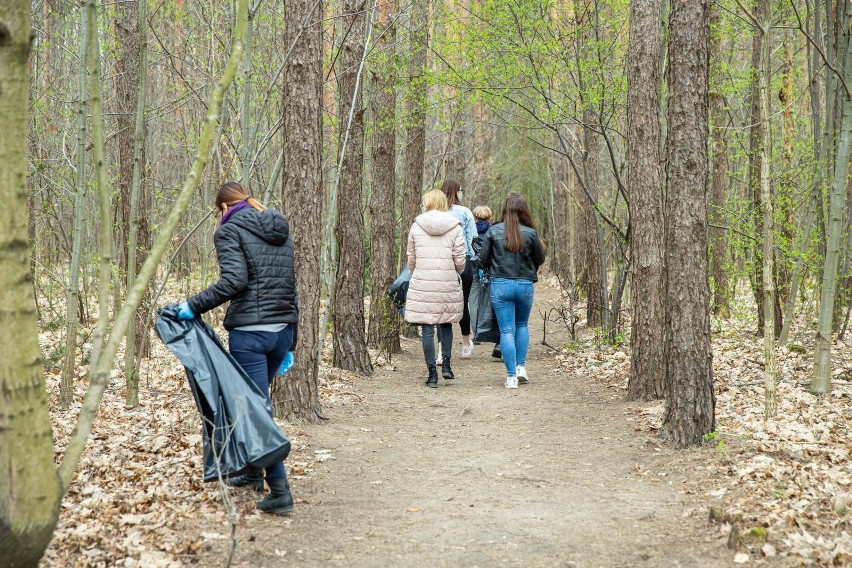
[(473, 474)]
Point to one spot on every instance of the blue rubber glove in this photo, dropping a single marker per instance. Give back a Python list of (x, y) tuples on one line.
[(480, 273), (185, 312), (286, 364)]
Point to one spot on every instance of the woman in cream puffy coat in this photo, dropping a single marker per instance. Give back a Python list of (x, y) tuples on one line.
[(436, 256)]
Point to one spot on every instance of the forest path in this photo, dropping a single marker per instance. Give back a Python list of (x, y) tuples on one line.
[(473, 474)]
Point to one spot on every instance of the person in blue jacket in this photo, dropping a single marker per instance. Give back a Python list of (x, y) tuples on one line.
[(255, 253), (455, 195), (513, 253)]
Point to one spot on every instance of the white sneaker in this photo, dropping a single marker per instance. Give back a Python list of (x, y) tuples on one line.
[(511, 382), (439, 361), (467, 351), (521, 372)]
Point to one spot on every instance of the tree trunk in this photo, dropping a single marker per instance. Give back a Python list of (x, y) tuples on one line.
[(104, 201), (384, 321), (718, 193), (297, 398), (690, 401), (131, 84), (769, 299), (821, 381), (595, 259), (350, 340), (72, 300), (560, 258), (815, 201), (645, 187), (29, 488), (415, 111)]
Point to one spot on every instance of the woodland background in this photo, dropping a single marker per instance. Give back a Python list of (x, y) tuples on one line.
[(342, 112)]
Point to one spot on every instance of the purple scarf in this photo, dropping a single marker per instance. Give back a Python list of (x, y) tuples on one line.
[(233, 209)]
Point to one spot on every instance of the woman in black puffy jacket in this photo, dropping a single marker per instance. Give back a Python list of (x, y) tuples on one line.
[(255, 253)]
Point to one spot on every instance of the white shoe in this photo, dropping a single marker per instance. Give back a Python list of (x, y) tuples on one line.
[(467, 351), (521, 372), (511, 382), (439, 361)]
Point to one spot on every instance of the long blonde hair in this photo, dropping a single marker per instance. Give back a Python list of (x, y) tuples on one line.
[(233, 192)]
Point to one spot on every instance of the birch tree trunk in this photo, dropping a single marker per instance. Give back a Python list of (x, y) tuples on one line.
[(297, 398), (350, 341), (383, 333), (29, 488), (821, 381), (690, 401), (72, 300), (645, 187)]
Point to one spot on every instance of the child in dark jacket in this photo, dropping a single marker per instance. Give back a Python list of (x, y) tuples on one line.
[(482, 217)]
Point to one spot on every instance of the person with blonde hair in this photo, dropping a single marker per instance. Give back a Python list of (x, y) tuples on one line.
[(436, 256), (258, 278)]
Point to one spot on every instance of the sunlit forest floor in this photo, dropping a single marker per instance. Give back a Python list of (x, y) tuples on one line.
[(561, 472)]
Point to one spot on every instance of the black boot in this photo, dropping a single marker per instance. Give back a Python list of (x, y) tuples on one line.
[(279, 501), (432, 381), (253, 479), (446, 370), (496, 352)]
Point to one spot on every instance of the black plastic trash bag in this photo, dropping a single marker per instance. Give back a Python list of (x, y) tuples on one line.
[(485, 328), (398, 291), (237, 425)]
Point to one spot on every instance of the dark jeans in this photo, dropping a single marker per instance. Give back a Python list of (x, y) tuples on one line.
[(260, 353), (467, 283), (445, 336)]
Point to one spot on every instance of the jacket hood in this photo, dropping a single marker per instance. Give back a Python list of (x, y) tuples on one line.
[(437, 223), (269, 225)]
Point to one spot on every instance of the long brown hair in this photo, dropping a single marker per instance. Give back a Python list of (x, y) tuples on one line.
[(516, 212), (451, 188), (233, 192)]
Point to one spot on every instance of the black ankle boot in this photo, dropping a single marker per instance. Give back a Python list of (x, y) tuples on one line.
[(253, 479), (432, 381), (446, 370), (496, 352), (279, 501)]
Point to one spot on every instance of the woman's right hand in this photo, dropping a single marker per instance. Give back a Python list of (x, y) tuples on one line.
[(185, 312)]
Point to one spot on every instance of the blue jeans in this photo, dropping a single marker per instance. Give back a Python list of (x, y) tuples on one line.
[(260, 353), (512, 301)]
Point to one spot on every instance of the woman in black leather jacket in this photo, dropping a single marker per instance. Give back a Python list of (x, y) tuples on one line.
[(255, 253), (512, 253)]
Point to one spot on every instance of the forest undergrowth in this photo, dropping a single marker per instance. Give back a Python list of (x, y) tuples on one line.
[(780, 489)]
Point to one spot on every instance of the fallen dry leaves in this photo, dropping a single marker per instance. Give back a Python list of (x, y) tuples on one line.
[(790, 476)]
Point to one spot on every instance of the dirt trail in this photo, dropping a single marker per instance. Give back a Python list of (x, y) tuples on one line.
[(473, 474)]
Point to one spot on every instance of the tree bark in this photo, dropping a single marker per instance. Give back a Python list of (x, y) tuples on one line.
[(383, 331), (646, 206), (415, 112), (350, 340), (690, 401), (29, 487), (72, 299), (297, 398), (821, 381), (769, 298), (718, 192)]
